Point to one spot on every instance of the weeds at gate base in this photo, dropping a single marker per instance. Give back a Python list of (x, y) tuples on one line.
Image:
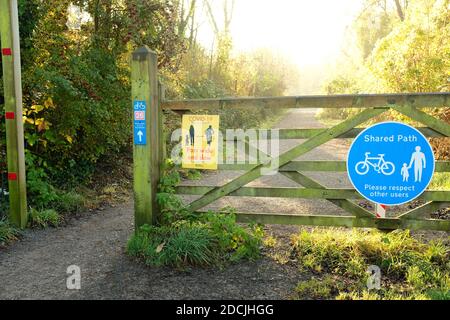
[(409, 269), (44, 218), (185, 239), (8, 233)]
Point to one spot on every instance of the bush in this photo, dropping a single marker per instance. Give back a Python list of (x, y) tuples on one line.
[(68, 202), (186, 239), (8, 233), (210, 239)]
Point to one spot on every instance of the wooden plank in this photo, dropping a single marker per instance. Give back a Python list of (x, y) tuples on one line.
[(147, 158), (305, 193), (442, 166), (340, 166), (162, 133), (423, 210), (287, 134), (319, 165), (430, 121), (12, 87), (343, 221), (437, 100), (286, 157), (342, 203)]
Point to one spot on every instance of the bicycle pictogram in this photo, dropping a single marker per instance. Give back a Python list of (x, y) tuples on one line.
[(379, 164)]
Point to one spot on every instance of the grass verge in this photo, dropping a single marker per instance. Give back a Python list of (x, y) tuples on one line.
[(340, 260), (8, 233)]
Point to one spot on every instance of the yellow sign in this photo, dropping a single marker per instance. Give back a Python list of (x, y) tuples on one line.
[(200, 134)]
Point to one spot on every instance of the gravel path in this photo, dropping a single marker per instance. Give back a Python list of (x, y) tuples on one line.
[(35, 267)]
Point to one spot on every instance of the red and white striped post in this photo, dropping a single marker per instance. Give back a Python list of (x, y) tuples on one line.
[(381, 211)]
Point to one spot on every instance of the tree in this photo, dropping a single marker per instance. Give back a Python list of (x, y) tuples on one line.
[(414, 56)]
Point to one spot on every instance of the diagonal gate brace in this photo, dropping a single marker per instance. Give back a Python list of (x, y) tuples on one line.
[(286, 157)]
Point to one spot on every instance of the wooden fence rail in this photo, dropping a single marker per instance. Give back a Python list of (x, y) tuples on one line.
[(373, 105), (416, 100)]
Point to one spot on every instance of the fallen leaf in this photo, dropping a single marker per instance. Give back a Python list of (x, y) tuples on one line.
[(160, 247)]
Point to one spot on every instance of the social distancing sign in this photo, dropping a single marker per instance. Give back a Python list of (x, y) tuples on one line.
[(200, 134), (390, 163)]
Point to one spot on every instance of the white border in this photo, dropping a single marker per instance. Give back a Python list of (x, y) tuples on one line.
[(406, 125)]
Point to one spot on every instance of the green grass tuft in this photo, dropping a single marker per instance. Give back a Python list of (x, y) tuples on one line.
[(8, 233), (211, 239), (44, 218), (441, 181), (178, 247), (410, 269), (69, 202)]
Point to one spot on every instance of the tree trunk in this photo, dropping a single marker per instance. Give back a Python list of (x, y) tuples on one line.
[(400, 12)]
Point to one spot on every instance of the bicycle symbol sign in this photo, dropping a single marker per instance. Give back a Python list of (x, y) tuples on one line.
[(390, 163), (379, 165), (140, 123)]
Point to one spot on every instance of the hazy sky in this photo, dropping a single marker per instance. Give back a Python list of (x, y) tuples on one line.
[(309, 32)]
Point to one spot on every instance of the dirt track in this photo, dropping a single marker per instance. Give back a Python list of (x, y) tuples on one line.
[(35, 268)]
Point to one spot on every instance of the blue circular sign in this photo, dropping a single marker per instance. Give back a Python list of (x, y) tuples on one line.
[(390, 163)]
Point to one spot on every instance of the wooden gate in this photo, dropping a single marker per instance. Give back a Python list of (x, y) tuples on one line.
[(148, 158)]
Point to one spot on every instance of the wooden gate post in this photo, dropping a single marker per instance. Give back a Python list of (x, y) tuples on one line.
[(12, 83), (147, 127)]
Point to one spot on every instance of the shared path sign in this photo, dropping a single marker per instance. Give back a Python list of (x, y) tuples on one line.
[(390, 163)]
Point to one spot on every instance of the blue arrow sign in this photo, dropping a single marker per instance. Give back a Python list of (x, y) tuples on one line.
[(140, 122), (390, 163)]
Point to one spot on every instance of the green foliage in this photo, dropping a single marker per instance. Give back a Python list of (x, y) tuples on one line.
[(8, 233), (186, 239), (234, 242), (169, 246), (409, 268), (192, 174), (373, 24), (76, 83), (43, 195), (211, 239), (319, 288), (414, 57), (69, 202), (40, 192), (441, 181), (381, 295), (397, 56), (44, 218)]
